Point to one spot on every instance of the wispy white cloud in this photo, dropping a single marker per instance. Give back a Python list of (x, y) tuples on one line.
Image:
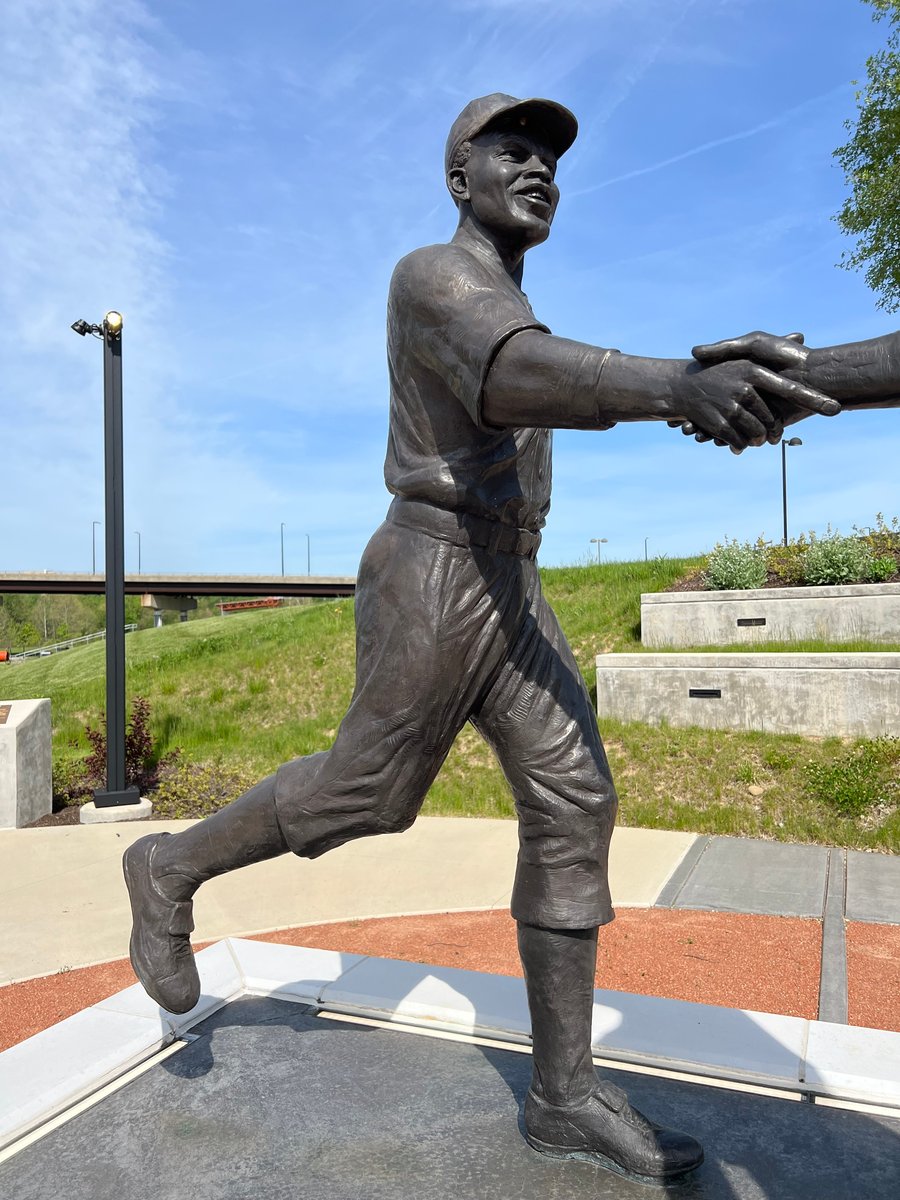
[(78, 206), (83, 202), (636, 58), (783, 118), (591, 8)]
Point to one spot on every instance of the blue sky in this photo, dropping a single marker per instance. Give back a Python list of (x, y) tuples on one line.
[(240, 180)]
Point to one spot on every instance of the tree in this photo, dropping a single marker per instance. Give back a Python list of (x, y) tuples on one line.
[(871, 163)]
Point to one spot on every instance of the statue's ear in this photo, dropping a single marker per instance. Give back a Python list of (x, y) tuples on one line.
[(458, 183)]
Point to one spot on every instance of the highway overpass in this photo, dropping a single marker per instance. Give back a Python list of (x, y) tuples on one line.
[(61, 583)]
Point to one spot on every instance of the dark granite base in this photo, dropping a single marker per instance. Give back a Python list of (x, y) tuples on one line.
[(272, 1102)]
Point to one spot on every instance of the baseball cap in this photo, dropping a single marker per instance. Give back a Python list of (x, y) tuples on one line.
[(554, 121)]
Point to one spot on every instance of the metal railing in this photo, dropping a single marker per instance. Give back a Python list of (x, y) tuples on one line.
[(46, 651)]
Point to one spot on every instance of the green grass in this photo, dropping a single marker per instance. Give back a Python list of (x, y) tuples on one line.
[(256, 687), (253, 690)]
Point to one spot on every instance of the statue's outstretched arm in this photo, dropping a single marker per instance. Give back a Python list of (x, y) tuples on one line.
[(538, 379)]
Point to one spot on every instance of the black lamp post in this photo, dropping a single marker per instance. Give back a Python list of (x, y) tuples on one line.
[(110, 333), (784, 445)]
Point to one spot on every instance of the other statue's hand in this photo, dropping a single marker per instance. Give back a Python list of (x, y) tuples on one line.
[(767, 349), (738, 403), (786, 404)]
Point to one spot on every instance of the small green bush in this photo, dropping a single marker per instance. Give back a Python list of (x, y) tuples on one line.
[(883, 568), (882, 538), (870, 556), (70, 783), (835, 559), (75, 780), (733, 564), (863, 777), (188, 790), (785, 563)]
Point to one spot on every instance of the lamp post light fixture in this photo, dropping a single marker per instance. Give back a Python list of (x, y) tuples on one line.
[(94, 525), (599, 542), (784, 445), (109, 331)]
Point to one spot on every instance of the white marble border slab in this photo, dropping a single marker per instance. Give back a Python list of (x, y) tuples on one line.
[(47, 1073), (467, 1002)]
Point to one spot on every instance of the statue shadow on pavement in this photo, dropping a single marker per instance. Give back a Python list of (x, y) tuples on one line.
[(757, 1146)]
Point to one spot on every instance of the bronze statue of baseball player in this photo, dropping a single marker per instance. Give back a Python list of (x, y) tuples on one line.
[(452, 625)]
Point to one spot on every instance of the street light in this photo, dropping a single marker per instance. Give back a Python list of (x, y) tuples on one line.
[(282, 549), (599, 542), (784, 445), (94, 525), (137, 534), (109, 332)]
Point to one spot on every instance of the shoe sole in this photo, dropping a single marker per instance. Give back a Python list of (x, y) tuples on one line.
[(609, 1164)]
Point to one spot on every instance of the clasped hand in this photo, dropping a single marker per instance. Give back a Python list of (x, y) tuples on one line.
[(735, 394)]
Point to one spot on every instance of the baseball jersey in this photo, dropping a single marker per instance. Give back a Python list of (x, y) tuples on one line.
[(449, 312)]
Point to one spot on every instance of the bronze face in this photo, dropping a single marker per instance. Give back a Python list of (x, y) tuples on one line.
[(508, 182)]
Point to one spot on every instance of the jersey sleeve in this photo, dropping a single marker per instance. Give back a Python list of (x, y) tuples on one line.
[(453, 318)]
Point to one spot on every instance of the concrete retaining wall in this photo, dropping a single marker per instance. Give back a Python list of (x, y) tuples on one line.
[(847, 695), (26, 788), (859, 611)]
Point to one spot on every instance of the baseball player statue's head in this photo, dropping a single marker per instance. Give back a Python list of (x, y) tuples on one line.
[(500, 162)]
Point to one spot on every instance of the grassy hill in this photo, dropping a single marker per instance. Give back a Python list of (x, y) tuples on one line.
[(250, 691)]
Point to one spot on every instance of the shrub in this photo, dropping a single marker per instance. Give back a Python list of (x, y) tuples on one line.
[(863, 777), (785, 563), (734, 564), (70, 783), (881, 569), (883, 538), (198, 789), (835, 559), (75, 781)]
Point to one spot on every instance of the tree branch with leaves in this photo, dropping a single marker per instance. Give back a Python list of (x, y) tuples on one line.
[(871, 163)]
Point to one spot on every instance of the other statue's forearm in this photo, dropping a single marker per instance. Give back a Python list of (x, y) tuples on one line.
[(859, 374)]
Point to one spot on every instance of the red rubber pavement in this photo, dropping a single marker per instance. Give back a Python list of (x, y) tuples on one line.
[(770, 964)]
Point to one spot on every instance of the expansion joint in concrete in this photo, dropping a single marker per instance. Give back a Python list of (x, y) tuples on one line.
[(669, 895), (833, 1005)]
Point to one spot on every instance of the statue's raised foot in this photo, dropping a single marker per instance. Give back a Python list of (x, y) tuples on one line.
[(160, 946)]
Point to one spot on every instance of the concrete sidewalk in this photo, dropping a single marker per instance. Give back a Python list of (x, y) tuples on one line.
[(63, 902)]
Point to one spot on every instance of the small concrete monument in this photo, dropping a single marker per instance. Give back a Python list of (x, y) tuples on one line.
[(26, 783)]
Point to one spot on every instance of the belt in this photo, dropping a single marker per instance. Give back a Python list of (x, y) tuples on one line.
[(462, 529)]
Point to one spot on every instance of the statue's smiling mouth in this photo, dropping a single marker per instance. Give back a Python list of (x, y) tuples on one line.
[(537, 194)]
